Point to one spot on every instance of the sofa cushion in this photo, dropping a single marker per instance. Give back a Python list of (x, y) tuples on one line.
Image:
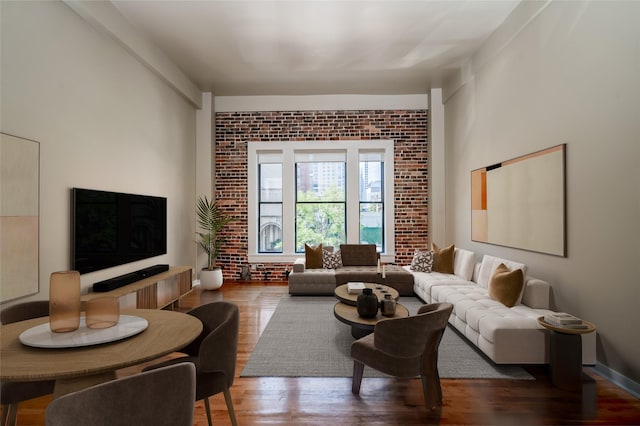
[(489, 265), (422, 261), (331, 260), (396, 277), (443, 259), (313, 256), (359, 254), (425, 281), (312, 282), (505, 286), (463, 263)]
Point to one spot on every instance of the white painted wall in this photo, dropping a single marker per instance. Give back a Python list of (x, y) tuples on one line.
[(437, 190), (103, 119), (205, 162), (320, 102), (563, 72)]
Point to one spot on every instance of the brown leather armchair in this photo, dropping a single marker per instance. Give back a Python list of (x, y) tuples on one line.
[(214, 353), (12, 393), (162, 397), (405, 347)]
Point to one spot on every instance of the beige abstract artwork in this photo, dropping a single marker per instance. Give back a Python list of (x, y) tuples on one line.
[(19, 205), (520, 202)]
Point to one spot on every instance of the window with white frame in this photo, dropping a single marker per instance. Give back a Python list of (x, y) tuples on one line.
[(303, 193), (270, 202), (321, 199)]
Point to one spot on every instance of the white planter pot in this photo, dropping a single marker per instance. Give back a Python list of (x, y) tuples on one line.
[(211, 280)]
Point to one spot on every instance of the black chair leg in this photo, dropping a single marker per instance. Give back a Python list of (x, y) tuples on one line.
[(358, 370), (432, 390)]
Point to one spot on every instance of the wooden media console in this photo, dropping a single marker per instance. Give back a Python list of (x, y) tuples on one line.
[(146, 290)]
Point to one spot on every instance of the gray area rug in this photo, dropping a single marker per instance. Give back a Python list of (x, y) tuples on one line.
[(304, 339)]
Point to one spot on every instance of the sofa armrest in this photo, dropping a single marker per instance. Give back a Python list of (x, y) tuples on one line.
[(536, 293), (298, 265)]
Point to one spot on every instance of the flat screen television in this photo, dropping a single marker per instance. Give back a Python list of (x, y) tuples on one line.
[(112, 228)]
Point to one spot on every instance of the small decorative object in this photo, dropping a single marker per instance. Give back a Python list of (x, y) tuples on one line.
[(388, 306), (245, 272), (367, 304), (64, 301), (102, 312), (355, 287)]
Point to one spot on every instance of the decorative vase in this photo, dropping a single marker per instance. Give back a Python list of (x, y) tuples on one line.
[(64, 301), (102, 312), (388, 306), (367, 304)]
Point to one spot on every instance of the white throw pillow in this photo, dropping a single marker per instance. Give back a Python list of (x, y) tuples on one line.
[(463, 263)]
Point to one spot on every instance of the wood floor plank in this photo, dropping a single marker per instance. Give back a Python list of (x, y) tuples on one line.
[(322, 401)]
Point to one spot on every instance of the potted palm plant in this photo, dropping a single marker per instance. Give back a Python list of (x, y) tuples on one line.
[(211, 220)]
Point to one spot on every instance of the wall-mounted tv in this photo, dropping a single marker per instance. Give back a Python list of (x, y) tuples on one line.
[(112, 228)]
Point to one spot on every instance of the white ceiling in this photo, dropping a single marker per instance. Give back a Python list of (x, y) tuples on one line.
[(308, 47)]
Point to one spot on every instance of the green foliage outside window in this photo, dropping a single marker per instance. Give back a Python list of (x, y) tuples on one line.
[(318, 221)]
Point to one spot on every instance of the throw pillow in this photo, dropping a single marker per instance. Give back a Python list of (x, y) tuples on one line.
[(331, 260), (359, 254), (313, 256), (422, 261), (505, 286), (443, 259)]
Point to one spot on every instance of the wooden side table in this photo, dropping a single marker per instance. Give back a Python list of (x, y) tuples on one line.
[(566, 354)]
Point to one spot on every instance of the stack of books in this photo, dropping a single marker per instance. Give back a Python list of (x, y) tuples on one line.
[(562, 319), (355, 288)]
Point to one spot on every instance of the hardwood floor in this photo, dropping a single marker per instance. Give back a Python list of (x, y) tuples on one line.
[(323, 401)]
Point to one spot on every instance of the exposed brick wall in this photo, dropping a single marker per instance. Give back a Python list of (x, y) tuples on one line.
[(408, 128)]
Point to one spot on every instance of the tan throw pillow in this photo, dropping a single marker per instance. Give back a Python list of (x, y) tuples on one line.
[(505, 286), (443, 259), (313, 257)]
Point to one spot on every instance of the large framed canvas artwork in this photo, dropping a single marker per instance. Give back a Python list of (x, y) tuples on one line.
[(521, 202), (19, 201)]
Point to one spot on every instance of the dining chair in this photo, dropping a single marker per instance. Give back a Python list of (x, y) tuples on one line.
[(405, 347), (214, 353), (12, 393), (162, 397)]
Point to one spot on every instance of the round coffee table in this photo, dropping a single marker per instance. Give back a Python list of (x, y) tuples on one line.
[(360, 327), (342, 294)]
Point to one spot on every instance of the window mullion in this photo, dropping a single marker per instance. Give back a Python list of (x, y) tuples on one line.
[(288, 201), (353, 198)]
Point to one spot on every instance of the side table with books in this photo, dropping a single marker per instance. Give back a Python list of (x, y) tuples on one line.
[(566, 348)]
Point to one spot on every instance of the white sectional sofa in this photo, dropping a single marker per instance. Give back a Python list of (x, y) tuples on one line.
[(505, 335)]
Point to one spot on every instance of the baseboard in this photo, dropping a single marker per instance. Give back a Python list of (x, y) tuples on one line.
[(618, 379)]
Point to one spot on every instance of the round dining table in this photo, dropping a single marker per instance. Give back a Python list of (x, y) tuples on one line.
[(78, 367)]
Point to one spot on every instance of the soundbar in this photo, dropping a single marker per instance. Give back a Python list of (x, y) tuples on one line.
[(122, 280)]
